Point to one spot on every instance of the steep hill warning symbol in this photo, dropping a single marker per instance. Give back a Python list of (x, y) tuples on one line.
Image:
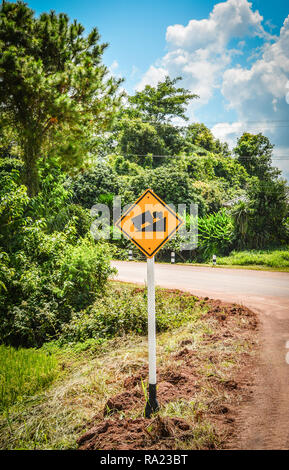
[(149, 223)]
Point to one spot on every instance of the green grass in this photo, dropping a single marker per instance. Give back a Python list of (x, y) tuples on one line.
[(22, 373), (267, 258), (123, 310), (93, 371)]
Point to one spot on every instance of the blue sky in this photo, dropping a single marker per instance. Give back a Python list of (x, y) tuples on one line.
[(231, 53)]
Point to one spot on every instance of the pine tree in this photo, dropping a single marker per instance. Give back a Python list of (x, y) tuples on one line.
[(52, 81)]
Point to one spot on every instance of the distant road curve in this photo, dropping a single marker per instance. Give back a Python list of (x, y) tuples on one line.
[(266, 418)]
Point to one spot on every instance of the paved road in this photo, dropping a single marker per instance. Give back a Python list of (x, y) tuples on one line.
[(266, 418)]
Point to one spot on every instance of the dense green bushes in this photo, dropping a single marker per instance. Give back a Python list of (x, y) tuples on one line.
[(124, 310), (42, 287), (88, 186), (49, 267), (215, 234)]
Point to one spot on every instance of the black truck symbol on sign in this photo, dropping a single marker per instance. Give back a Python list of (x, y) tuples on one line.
[(150, 222)]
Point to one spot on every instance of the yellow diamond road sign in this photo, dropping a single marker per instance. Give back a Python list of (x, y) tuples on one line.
[(149, 223)]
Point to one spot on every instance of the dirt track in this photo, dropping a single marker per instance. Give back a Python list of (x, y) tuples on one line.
[(264, 422)]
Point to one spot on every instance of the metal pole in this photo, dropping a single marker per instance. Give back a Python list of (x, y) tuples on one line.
[(152, 403)]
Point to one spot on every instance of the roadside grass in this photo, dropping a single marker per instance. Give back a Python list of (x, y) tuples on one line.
[(123, 310), (268, 258), (56, 416), (251, 267), (23, 372), (258, 260)]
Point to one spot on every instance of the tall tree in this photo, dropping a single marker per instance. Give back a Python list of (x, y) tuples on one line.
[(198, 134), (162, 103), (138, 139), (52, 79), (144, 125), (268, 201), (254, 152)]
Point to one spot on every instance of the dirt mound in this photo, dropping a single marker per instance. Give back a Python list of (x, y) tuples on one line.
[(135, 434), (230, 384), (171, 386), (185, 342), (137, 379), (184, 353), (123, 401), (223, 310), (112, 430)]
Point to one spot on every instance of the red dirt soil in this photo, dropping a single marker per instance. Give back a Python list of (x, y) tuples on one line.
[(174, 383)]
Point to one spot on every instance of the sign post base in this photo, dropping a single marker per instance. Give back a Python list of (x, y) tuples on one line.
[(152, 404)]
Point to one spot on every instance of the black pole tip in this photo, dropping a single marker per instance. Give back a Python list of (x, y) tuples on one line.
[(152, 404)]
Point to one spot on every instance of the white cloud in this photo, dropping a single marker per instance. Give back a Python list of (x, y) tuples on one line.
[(134, 71), (259, 93), (267, 78), (230, 19), (152, 77), (199, 51), (227, 132), (202, 53), (114, 66)]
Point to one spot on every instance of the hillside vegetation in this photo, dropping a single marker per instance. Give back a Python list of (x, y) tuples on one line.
[(70, 139), (204, 347)]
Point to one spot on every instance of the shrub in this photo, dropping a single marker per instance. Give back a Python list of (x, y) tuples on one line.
[(88, 186), (11, 167), (124, 310), (215, 234), (84, 271), (47, 280), (49, 265), (71, 212)]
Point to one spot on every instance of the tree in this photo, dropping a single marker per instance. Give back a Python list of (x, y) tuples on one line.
[(52, 79), (143, 126), (254, 152), (261, 220), (169, 183), (198, 134), (241, 213), (172, 137), (138, 139), (90, 185), (269, 203), (161, 103)]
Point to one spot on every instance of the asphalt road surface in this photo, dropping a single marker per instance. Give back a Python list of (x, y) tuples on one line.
[(265, 420)]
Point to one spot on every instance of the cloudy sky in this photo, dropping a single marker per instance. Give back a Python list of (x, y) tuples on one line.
[(234, 54)]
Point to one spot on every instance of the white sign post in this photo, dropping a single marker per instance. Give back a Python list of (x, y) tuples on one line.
[(152, 403), (149, 216)]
